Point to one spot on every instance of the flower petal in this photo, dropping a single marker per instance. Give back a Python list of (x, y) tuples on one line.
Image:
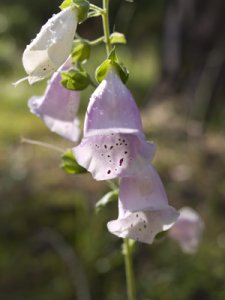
[(143, 208), (51, 47), (187, 230), (113, 155), (143, 226), (58, 107), (112, 108), (144, 191)]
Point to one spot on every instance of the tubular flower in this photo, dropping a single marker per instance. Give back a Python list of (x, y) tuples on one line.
[(58, 107), (143, 208), (187, 231), (113, 144), (52, 46)]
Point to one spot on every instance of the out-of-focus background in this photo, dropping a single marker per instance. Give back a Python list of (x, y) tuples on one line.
[(52, 243)]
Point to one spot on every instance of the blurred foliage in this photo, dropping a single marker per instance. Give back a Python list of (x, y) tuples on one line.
[(44, 210)]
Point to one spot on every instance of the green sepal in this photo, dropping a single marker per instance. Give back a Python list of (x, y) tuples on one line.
[(82, 9), (102, 70), (70, 165), (111, 61), (117, 38), (75, 79), (81, 51), (65, 4), (106, 199)]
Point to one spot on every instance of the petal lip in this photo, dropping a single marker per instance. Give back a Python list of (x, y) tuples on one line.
[(113, 155), (112, 107), (143, 226), (52, 45), (58, 107)]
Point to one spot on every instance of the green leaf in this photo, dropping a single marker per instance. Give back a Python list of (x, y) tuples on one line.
[(65, 4), (117, 38), (81, 51), (102, 70), (75, 80), (82, 9), (107, 198), (70, 165)]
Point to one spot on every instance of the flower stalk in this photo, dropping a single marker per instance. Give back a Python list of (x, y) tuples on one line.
[(127, 252), (105, 21)]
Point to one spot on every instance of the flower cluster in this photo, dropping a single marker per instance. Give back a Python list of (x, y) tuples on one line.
[(114, 146), (113, 143)]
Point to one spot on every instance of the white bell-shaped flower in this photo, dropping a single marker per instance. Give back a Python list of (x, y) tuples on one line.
[(52, 45)]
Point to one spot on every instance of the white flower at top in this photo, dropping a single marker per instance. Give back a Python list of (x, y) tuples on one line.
[(52, 45)]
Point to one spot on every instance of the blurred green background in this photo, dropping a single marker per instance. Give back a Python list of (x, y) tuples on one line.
[(52, 243)]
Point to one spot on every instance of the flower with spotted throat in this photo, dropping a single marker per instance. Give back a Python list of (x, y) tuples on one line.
[(114, 144)]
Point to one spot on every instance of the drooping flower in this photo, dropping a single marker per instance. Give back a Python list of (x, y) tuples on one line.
[(52, 45), (187, 230), (143, 208), (113, 144), (58, 107)]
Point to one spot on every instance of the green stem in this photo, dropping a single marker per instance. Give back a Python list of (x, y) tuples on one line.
[(105, 21), (129, 270), (97, 41)]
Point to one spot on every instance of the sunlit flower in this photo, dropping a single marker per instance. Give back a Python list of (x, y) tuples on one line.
[(58, 107), (187, 231), (143, 208), (52, 46), (113, 144)]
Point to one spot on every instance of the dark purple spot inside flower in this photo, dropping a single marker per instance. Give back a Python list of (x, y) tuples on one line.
[(117, 144), (125, 152), (109, 171), (121, 162), (108, 155), (123, 141), (111, 147), (105, 146), (136, 215)]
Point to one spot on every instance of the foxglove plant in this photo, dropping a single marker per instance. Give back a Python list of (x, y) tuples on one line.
[(113, 144)]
